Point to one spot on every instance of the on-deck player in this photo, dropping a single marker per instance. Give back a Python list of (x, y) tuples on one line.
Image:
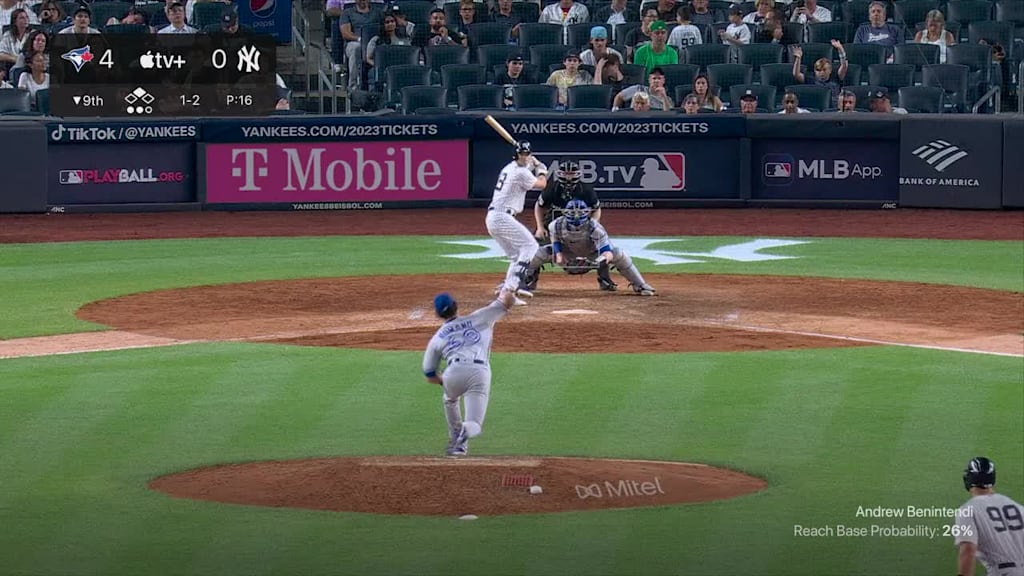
[(990, 526), (465, 344), (517, 177)]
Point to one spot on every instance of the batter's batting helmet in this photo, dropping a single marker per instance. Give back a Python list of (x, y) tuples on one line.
[(445, 305), (980, 472), (523, 147), (576, 212)]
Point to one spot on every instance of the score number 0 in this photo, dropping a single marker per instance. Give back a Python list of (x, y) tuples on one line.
[(219, 59)]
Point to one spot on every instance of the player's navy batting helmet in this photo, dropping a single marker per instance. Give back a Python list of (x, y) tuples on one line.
[(568, 171), (445, 305), (980, 472), (523, 147), (577, 212)]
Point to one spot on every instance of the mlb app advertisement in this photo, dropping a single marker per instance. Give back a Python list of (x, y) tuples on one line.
[(121, 173), (825, 170)]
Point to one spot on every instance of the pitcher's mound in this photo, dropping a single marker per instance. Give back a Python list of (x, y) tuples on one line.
[(486, 486)]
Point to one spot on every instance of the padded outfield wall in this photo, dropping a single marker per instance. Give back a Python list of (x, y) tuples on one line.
[(634, 161)]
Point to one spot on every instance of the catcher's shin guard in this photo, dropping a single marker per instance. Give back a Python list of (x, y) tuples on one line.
[(604, 278)]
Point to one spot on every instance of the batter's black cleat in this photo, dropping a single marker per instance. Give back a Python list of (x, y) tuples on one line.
[(531, 280), (606, 284)]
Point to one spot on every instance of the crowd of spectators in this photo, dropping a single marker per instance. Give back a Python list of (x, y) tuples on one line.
[(640, 51), (29, 25)]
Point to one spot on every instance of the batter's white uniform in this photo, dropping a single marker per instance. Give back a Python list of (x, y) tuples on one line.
[(512, 236), (996, 526), (465, 344)]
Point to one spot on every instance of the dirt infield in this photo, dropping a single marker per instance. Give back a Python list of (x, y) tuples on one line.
[(692, 313), (456, 487)]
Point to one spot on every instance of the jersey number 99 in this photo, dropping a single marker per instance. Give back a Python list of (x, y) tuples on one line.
[(1008, 518)]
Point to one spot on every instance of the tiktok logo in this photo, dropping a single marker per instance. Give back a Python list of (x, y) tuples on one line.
[(248, 170)]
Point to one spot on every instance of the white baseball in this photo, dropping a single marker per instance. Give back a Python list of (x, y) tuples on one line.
[(536, 489), (468, 517)]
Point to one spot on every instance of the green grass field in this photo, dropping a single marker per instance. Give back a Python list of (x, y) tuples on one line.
[(831, 430)]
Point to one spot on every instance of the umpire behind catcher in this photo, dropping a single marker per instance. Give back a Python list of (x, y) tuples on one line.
[(565, 186)]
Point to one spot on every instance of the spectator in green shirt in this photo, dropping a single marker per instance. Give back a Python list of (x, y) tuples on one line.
[(658, 52)]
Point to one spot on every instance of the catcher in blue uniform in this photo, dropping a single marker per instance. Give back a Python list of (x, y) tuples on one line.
[(580, 244)]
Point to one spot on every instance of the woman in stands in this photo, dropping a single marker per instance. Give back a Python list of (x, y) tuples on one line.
[(706, 98), (390, 34), (935, 33), (38, 40), (53, 17), (13, 41), (36, 80)]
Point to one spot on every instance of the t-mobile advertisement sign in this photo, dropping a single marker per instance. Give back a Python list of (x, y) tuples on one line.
[(328, 172), (121, 174)]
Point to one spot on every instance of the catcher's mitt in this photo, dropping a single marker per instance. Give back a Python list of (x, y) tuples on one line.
[(580, 266)]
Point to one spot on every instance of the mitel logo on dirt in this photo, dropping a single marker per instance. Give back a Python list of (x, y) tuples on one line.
[(783, 169), (646, 171), (119, 176), (619, 489)]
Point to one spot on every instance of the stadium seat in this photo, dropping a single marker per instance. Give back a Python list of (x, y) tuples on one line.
[(579, 34), (491, 56), (676, 74), (978, 60), (727, 75), (891, 76), (922, 99), (1010, 11), (854, 73), (435, 111), (416, 97), (855, 12), (967, 11), (388, 55), (953, 80), (528, 12), (534, 34), (815, 50), (43, 101), (590, 96), (992, 31), (103, 11), (826, 32), (455, 75), (480, 97), (16, 100), (633, 74), (130, 29), (416, 11), (536, 97), (623, 30), (778, 75), (398, 77), (488, 33), (438, 56), (206, 13), (865, 55), (765, 95), (814, 98), (864, 94), (911, 12), (544, 55), (756, 55), (916, 55), (705, 55)]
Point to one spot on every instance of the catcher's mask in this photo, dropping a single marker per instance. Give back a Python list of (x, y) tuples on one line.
[(980, 472), (576, 213), (568, 172)]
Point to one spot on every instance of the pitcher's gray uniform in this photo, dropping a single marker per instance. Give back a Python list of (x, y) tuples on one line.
[(575, 234), (465, 344), (516, 178), (990, 525)]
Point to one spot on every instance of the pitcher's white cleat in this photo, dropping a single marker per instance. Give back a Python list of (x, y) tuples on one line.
[(518, 301)]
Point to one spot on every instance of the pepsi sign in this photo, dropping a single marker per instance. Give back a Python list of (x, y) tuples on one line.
[(272, 17)]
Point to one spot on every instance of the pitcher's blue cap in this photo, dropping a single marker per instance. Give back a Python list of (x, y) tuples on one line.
[(443, 303)]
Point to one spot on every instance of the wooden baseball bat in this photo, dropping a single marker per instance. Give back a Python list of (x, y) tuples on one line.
[(500, 129)]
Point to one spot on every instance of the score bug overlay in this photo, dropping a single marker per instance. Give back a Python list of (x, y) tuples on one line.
[(128, 75)]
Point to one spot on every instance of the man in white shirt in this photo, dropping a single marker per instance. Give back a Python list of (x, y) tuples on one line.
[(176, 16), (615, 13), (879, 102), (737, 33), (989, 527), (811, 13), (598, 47), (565, 12), (791, 105), (80, 24), (685, 34)]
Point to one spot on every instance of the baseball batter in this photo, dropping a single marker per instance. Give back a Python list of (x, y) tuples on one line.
[(522, 174), (465, 344), (990, 525), (574, 235)]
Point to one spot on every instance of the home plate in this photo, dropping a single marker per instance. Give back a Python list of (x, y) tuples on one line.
[(574, 311)]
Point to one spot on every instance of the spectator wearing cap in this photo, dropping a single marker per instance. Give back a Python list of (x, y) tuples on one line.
[(569, 76), (691, 104), (190, 8), (7, 8), (176, 16), (502, 13), (879, 102), (351, 24), (758, 16), (229, 23), (513, 75), (702, 14), (876, 30), (847, 101), (823, 73), (608, 72), (658, 52), (685, 34), (598, 47), (81, 22), (748, 102), (654, 91), (390, 34), (791, 104), (737, 33), (565, 13), (615, 13)]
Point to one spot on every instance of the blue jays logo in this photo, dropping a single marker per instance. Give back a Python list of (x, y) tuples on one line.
[(79, 57), (262, 8)]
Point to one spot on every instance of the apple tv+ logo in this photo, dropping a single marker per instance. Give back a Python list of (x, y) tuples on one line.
[(149, 61)]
